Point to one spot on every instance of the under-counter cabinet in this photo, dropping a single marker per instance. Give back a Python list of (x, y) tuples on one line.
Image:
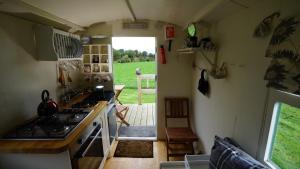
[(91, 138)]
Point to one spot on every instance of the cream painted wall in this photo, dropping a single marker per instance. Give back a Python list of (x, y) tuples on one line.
[(22, 76), (174, 78), (236, 104)]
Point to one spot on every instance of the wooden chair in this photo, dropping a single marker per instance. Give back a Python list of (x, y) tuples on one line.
[(118, 91), (178, 108), (121, 112)]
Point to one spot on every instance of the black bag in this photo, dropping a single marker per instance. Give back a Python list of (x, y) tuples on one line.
[(203, 85)]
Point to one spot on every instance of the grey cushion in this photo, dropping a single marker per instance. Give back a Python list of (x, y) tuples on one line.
[(227, 156)]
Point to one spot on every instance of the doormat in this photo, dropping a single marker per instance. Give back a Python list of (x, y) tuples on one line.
[(134, 149), (137, 131)]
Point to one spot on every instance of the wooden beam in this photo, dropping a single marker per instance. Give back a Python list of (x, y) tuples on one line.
[(130, 10)]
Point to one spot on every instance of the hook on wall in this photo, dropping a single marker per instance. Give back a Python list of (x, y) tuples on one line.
[(211, 56), (216, 72)]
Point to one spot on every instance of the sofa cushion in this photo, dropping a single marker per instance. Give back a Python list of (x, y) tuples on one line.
[(232, 142), (227, 156)]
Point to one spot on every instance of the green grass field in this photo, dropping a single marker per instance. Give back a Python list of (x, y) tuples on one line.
[(124, 73), (286, 147)]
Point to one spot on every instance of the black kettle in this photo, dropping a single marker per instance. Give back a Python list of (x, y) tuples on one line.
[(47, 107)]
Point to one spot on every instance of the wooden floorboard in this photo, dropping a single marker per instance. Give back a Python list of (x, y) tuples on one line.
[(154, 114), (144, 112), (132, 115), (141, 115), (149, 115), (129, 114), (159, 155), (137, 120)]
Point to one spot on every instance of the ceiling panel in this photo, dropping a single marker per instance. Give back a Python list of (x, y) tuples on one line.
[(87, 12), (84, 12), (173, 11)]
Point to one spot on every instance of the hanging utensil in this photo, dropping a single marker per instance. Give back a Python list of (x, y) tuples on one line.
[(61, 78), (68, 77)]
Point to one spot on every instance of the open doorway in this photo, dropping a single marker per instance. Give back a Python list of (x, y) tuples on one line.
[(135, 84)]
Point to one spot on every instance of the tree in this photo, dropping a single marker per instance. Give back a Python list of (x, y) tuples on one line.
[(151, 55), (136, 53), (144, 53), (130, 53), (117, 54), (123, 56)]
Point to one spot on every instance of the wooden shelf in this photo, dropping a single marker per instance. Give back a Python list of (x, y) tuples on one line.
[(194, 50), (210, 55), (97, 59), (187, 50)]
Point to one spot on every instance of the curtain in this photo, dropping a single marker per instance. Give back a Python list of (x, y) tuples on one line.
[(283, 72)]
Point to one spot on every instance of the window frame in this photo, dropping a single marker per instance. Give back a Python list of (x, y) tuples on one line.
[(270, 121), (271, 136)]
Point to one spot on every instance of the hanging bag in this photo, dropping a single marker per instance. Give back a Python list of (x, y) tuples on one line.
[(203, 85)]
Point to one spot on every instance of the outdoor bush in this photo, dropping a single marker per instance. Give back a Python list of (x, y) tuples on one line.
[(126, 56)]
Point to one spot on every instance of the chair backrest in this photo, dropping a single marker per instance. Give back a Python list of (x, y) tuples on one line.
[(176, 107)]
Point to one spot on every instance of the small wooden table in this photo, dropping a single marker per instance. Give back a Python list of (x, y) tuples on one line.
[(118, 90)]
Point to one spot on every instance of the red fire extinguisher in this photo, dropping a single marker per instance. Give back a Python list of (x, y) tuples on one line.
[(162, 57)]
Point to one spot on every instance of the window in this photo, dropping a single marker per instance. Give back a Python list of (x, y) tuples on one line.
[(283, 143)]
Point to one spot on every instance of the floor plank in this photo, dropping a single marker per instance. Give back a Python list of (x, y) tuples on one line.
[(129, 113), (149, 115), (137, 120), (154, 114), (159, 154), (144, 115), (132, 115), (141, 115)]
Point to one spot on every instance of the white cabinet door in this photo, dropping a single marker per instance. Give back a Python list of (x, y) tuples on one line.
[(105, 134)]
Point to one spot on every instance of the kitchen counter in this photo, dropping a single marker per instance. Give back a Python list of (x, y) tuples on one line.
[(76, 99), (51, 146)]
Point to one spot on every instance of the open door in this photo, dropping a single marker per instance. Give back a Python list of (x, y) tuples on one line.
[(135, 85)]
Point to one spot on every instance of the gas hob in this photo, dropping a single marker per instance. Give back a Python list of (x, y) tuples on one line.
[(55, 127)]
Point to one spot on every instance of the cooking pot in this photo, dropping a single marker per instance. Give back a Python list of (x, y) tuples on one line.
[(47, 107)]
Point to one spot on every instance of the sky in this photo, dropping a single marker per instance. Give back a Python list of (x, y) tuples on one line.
[(134, 43)]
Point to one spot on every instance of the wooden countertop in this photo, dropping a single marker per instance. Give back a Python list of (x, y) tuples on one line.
[(50, 146)]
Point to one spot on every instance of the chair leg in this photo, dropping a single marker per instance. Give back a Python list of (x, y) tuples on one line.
[(125, 122), (192, 146), (119, 101), (122, 118), (167, 144)]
